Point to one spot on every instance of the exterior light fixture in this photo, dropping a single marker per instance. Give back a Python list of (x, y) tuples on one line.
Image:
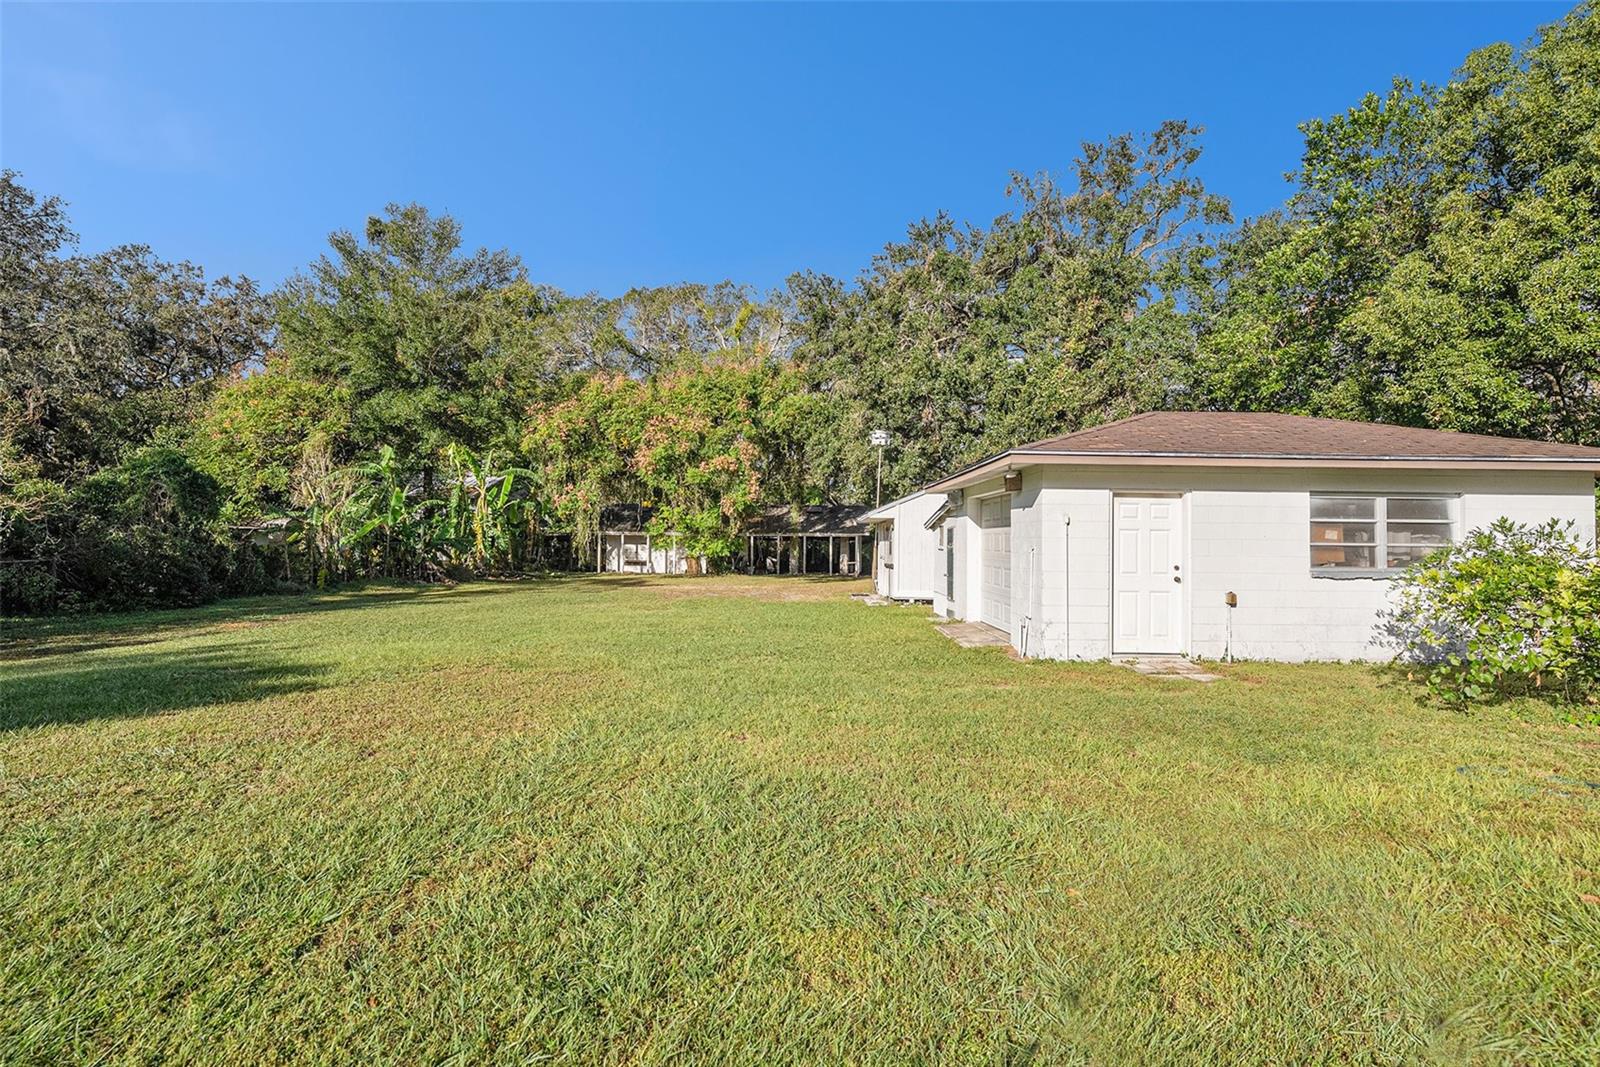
[(880, 440)]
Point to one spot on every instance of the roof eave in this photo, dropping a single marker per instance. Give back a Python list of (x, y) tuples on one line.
[(1017, 458), (881, 511)]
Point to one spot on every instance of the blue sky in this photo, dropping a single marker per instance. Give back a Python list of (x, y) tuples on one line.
[(614, 145)]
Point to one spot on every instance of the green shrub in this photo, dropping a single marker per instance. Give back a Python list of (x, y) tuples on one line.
[(146, 533), (1512, 610), (33, 512), (26, 587)]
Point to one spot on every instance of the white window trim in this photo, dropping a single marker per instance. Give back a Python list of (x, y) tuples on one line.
[(1380, 521)]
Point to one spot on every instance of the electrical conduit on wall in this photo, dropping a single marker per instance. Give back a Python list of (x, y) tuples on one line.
[(1066, 586)]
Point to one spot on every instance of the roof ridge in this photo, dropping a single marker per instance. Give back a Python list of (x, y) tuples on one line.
[(1344, 420), (1086, 429)]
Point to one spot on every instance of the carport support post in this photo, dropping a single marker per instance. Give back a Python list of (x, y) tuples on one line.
[(833, 549)]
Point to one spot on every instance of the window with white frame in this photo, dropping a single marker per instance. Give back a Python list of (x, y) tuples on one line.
[(1377, 533)]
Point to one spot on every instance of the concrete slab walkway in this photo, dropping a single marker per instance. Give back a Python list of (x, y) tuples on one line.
[(1167, 667), (975, 635)]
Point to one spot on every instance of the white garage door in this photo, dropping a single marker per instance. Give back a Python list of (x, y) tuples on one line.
[(995, 518)]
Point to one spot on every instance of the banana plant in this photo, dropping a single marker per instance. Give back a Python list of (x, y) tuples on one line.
[(491, 501), (381, 503)]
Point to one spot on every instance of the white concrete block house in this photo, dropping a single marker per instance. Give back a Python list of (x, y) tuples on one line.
[(1126, 539)]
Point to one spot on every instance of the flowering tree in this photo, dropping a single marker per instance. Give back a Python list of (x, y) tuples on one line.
[(706, 444), (584, 445), (703, 450)]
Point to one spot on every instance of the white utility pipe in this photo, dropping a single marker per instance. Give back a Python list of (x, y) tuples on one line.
[(1066, 584)]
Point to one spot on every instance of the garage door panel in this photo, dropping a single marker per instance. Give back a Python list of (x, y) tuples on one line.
[(995, 518)]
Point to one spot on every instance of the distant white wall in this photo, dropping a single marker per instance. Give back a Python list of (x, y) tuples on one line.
[(660, 556), (918, 567), (1247, 531)]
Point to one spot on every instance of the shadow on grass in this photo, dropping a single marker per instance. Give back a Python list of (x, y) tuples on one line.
[(84, 688), (23, 639), (32, 639)]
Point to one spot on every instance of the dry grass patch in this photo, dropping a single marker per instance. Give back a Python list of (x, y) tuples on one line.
[(787, 589)]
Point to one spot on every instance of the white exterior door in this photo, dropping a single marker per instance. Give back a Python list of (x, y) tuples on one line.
[(949, 570), (995, 519), (885, 549), (1147, 589)]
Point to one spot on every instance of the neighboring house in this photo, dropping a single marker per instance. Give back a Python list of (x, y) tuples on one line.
[(624, 545), (817, 539), (1130, 538), (907, 536)]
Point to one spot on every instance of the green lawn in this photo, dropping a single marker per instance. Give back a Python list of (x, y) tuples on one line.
[(628, 820)]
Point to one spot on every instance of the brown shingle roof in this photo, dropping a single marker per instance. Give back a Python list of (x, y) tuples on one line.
[(625, 518), (812, 519), (1234, 438), (1237, 434)]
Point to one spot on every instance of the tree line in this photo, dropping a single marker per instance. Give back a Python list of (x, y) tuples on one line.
[(407, 407)]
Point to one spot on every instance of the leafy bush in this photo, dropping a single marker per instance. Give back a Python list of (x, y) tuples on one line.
[(1511, 610), (145, 533), (32, 515), (26, 587)]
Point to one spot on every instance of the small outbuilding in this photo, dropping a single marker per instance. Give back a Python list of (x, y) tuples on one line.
[(816, 539), (1263, 536), (624, 544), (907, 546)]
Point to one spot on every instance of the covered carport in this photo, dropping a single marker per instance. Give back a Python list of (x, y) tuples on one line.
[(815, 539)]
